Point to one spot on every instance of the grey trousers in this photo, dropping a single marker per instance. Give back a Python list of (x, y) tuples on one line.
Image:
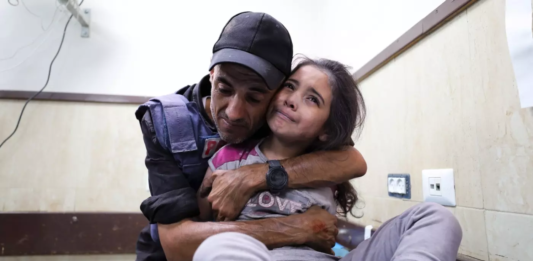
[(426, 231)]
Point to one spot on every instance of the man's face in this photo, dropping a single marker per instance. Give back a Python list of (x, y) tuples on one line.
[(239, 100)]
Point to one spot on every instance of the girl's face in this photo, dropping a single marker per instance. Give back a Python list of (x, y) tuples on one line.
[(301, 107)]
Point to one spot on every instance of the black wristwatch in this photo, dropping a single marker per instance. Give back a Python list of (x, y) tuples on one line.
[(276, 177)]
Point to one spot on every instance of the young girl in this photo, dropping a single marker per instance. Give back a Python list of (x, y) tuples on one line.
[(317, 108)]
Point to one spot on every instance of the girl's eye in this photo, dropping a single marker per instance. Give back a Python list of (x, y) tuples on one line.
[(314, 99), (289, 85)]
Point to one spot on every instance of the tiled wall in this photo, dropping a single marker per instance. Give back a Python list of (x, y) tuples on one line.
[(451, 102), (71, 156)]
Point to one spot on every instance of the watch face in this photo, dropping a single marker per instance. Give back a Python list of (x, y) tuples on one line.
[(278, 178)]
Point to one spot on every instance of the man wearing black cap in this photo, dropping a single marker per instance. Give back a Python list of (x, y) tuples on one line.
[(181, 131)]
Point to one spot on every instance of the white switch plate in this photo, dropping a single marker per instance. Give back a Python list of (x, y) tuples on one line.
[(438, 186)]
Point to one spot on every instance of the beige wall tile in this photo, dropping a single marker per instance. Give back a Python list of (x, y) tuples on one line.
[(3, 198), (37, 154), (504, 131), (510, 236), (115, 147), (61, 146), (422, 120), (68, 144), (126, 200), (474, 243), (375, 147), (451, 102), (29, 199), (21, 199)]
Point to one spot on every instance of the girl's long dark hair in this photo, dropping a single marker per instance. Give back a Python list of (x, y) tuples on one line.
[(346, 117)]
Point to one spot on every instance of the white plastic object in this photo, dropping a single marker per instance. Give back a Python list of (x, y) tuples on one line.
[(396, 185), (438, 186), (368, 232)]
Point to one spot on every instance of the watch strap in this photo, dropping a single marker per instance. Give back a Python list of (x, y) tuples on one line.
[(274, 164)]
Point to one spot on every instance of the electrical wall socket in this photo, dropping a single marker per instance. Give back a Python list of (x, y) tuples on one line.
[(396, 185), (435, 186), (399, 185), (438, 186)]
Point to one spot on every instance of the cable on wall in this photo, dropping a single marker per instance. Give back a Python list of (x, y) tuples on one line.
[(45, 84), (9, 1), (40, 18), (45, 31)]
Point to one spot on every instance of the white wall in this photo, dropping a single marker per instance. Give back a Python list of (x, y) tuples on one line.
[(155, 47), (451, 101)]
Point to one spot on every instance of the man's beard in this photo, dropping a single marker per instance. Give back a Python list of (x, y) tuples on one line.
[(224, 137)]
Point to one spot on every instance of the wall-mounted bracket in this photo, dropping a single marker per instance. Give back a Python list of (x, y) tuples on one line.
[(83, 17)]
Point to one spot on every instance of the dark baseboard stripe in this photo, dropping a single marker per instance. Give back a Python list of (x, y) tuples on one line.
[(69, 233), (79, 97), (445, 12)]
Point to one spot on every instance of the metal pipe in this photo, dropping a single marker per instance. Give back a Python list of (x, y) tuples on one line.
[(74, 8)]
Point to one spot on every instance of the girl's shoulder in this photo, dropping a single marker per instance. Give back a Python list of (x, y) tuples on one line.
[(233, 153)]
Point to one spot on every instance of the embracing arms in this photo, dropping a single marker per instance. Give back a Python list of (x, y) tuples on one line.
[(174, 206), (315, 228), (228, 191)]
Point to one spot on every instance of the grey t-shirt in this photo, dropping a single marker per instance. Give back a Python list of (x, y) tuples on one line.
[(265, 205)]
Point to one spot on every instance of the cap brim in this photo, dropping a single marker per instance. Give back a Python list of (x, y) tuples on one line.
[(270, 74)]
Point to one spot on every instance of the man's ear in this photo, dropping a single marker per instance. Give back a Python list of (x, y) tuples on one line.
[(212, 74)]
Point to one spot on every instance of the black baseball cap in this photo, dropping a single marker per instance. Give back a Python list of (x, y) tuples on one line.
[(259, 42)]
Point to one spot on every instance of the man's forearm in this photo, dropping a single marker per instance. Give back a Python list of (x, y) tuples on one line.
[(317, 169), (324, 168), (181, 240)]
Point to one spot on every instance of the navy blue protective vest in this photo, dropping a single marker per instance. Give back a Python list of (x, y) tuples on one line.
[(181, 130)]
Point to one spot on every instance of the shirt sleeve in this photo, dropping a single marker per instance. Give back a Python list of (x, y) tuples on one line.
[(217, 159), (173, 199)]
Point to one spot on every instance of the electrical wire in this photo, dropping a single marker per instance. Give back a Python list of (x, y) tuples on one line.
[(47, 33), (40, 18), (29, 11), (27, 57), (28, 45), (45, 84), (34, 40), (9, 1)]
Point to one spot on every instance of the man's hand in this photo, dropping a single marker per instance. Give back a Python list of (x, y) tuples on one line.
[(322, 227), (229, 190)]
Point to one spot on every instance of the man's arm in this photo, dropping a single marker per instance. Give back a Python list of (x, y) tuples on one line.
[(228, 191), (322, 168), (206, 213), (173, 199), (315, 228)]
